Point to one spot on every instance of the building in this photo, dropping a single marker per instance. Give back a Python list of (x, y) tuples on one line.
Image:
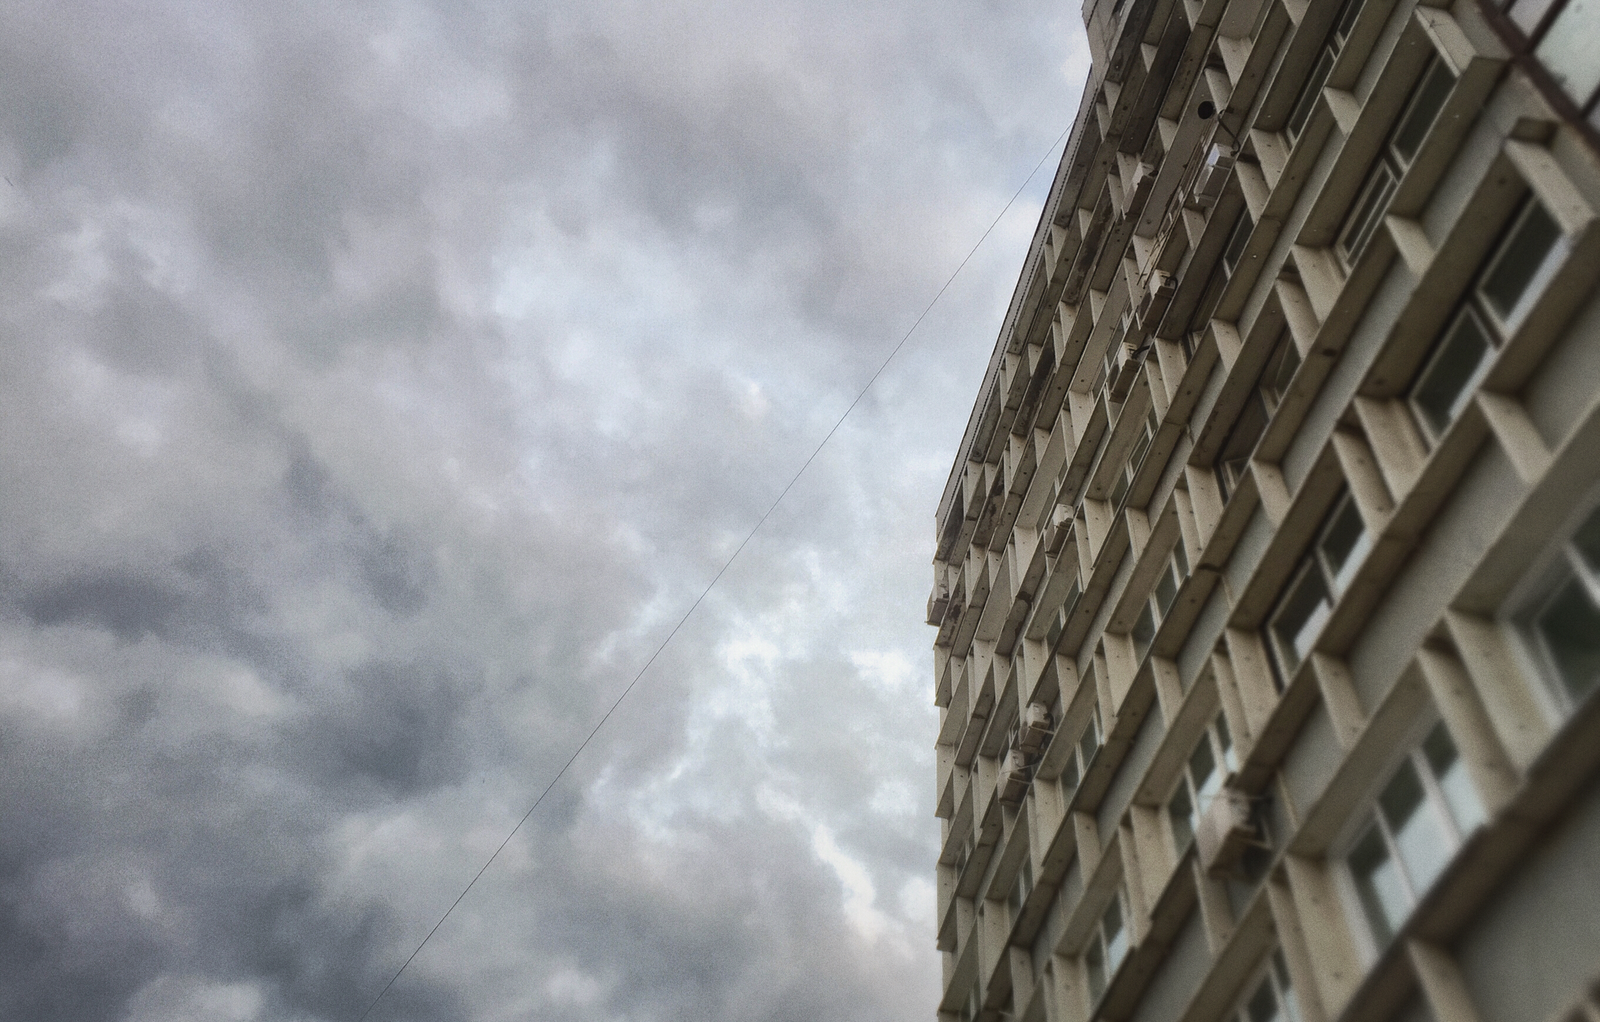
[(1268, 573)]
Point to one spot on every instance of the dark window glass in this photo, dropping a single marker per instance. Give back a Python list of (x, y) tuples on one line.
[(1300, 617), (1446, 382), (1241, 443), (1310, 91), (1280, 368), (1383, 895), (1234, 250), (1519, 261), (1569, 627), (1342, 542), (1368, 212), (1144, 631), (1430, 97), (1587, 540)]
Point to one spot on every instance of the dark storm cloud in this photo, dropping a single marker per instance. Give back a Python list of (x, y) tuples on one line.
[(377, 385)]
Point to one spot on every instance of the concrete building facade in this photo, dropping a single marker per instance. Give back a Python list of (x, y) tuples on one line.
[(1267, 581)]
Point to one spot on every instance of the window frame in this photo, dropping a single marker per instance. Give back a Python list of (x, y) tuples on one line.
[(1224, 765), (1496, 331), (1524, 43), (1263, 400), (1175, 566), (1335, 581), (1098, 942), (1561, 565), (1370, 818), (1272, 972), (1391, 164), (1329, 50)]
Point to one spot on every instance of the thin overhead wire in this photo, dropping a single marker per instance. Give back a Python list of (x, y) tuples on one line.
[(720, 572)]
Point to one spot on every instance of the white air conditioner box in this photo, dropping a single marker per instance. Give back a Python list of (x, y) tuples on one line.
[(1013, 777), (1035, 727), (1225, 830), (1213, 175), (1060, 528), (1158, 293)]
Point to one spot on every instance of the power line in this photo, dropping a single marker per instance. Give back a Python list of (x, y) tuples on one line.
[(720, 572)]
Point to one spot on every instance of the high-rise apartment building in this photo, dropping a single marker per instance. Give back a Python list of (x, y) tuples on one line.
[(1268, 574)]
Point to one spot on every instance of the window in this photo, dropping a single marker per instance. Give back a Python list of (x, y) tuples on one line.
[(1108, 946), (1078, 762), (1419, 821), (1559, 35), (1338, 35), (1209, 765), (1020, 889), (1394, 159), (1234, 250), (1160, 601), (1564, 628), (1136, 457), (1272, 998), (1498, 301), (1271, 387), (1322, 575)]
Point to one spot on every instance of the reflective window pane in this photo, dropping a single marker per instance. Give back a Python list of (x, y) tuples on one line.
[(1183, 817), (1587, 540), (1568, 49), (1383, 895), (1280, 969), (1224, 739), (1446, 382), (1263, 1006), (1094, 964), (1528, 13), (1144, 631), (1344, 542), (1368, 212), (1116, 935), (1425, 106), (1305, 609), (1237, 241), (1516, 275), (1203, 773), (1309, 93), (1451, 774), (1166, 589), (1425, 846), (1279, 371), (1569, 628)]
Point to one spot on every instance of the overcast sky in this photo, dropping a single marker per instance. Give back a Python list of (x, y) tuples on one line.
[(379, 385)]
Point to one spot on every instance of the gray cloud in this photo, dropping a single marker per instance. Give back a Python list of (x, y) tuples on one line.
[(378, 385)]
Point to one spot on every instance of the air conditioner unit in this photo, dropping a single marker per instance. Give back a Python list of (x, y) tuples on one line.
[(1225, 830), (1034, 728), (1213, 175), (1060, 528), (1157, 296), (1013, 777), (1125, 368)]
